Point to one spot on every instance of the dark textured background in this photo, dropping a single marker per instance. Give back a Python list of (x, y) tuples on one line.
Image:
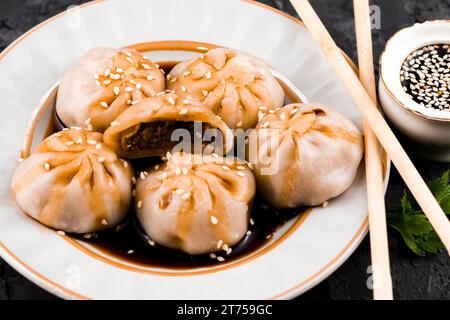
[(414, 277)]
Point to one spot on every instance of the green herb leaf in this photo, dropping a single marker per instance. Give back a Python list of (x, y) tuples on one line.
[(414, 226)]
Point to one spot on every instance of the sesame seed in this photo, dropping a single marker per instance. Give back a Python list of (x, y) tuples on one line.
[(241, 168), (116, 91), (240, 174), (282, 116), (430, 65), (107, 82), (186, 73), (219, 244), (104, 222), (135, 102), (130, 251), (252, 222), (133, 180), (150, 78), (183, 88), (129, 89), (101, 159), (87, 236), (212, 255), (79, 140), (156, 167), (119, 70), (138, 86), (171, 101), (260, 115), (226, 168), (248, 232), (164, 175), (186, 196), (146, 66), (139, 204), (239, 124), (98, 146), (47, 166), (125, 164), (183, 111), (325, 204), (220, 259), (205, 92), (208, 75), (186, 101), (104, 104), (61, 233), (88, 121), (179, 191), (214, 220), (151, 242), (142, 175), (69, 143), (115, 123), (184, 171), (127, 53)]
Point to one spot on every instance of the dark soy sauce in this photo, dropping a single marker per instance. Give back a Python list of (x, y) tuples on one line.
[(130, 243)]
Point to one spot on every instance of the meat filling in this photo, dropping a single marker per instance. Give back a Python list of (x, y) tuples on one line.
[(157, 136)]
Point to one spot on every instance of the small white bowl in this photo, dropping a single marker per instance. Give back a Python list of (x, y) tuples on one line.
[(427, 128)]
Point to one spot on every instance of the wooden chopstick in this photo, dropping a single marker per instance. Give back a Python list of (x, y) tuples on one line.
[(381, 273), (369, 110)]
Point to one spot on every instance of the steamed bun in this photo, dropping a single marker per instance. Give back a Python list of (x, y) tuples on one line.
[(149, 128), (235, 85), (74, 183), (306, 154), (102, 84), (197, 204)]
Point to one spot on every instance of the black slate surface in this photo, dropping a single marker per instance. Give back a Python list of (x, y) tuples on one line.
[(414, 277)]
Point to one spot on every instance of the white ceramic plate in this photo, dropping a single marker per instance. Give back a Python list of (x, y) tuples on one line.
[(301, 255)]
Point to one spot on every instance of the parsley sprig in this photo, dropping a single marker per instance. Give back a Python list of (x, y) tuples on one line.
[(412, 223)]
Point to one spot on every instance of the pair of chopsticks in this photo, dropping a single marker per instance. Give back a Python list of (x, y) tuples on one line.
[(363, 93)]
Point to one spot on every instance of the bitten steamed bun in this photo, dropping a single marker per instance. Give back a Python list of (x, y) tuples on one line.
[(74, 183), (195, 204), (102, 84), (148, 129), (233, 84), (306, 155)]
